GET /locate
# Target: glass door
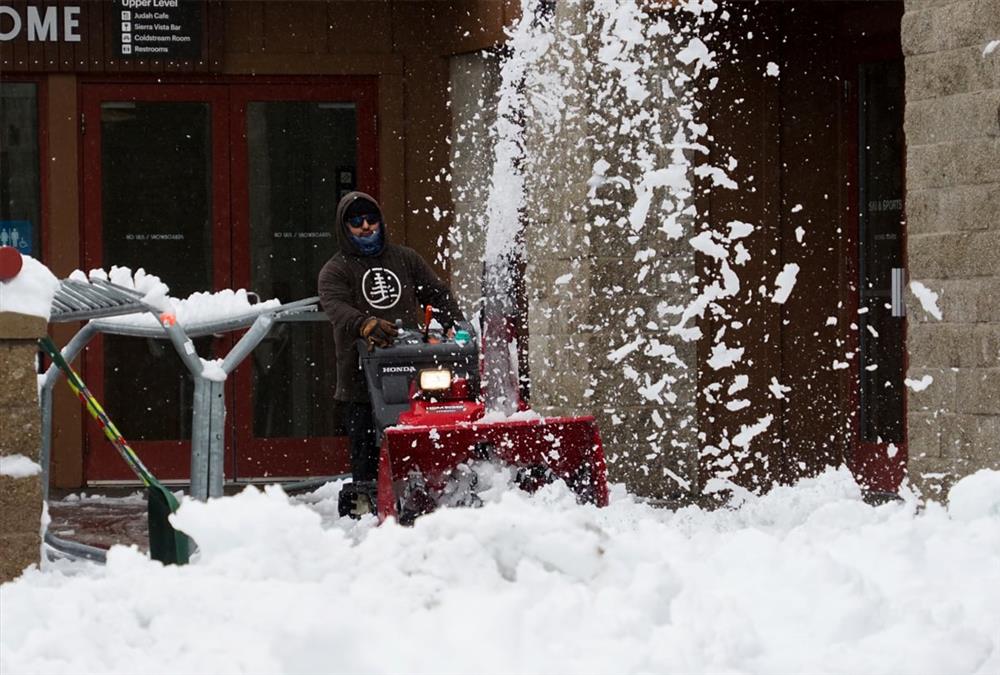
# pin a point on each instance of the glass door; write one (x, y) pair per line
(156, 198)
(212, 187)
(296, 150)
(880, 455)
(20, 179)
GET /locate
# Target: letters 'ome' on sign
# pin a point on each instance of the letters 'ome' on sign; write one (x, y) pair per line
(39, 23)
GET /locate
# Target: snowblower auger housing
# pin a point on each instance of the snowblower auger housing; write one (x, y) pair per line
(429, 417)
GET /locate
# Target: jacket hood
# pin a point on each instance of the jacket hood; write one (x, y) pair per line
(347, 246)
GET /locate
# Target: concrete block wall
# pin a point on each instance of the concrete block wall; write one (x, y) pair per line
(474, 80)
(20, 434)
(588, 294)
(953, 236)
(581, 277)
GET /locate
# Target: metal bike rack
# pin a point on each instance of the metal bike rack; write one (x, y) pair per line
(98, 300)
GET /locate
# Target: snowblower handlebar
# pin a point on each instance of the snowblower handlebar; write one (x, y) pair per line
(464, 332)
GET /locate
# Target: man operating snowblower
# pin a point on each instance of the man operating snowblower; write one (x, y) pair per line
(368, 289)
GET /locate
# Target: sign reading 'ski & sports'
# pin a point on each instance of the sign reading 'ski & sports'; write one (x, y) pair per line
(40, 24)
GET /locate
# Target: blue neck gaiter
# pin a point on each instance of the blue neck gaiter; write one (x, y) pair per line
(369, 245)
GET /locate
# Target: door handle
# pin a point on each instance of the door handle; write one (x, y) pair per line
(898, 284)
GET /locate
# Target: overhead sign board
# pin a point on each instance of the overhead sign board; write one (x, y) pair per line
(159, 29)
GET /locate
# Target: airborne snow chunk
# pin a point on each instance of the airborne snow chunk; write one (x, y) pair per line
(919, 385)
(784, 283)
(928, 299)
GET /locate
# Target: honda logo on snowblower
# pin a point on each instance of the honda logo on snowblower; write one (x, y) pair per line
(398, 369)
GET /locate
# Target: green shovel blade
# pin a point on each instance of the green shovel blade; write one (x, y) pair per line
(166, 544)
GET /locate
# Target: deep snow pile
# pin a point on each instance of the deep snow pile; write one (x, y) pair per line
(804, 579)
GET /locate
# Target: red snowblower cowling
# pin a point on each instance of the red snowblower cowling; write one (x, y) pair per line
(431, 424)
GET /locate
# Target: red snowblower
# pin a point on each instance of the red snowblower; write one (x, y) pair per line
(433, 431)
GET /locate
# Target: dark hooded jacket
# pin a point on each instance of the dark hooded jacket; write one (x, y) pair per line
(395, 283)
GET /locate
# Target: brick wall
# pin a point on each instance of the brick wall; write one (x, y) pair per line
(953, 236)
(20, 434)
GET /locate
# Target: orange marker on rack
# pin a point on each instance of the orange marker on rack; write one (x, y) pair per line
(168, 318)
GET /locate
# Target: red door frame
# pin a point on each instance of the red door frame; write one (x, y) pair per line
(870, 463)
(170, 460)
(262, 457)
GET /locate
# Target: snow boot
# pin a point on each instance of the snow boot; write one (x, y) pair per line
(356, 499)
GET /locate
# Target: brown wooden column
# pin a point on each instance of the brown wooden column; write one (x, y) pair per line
(61, 240)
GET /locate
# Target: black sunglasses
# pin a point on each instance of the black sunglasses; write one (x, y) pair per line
(358, 221)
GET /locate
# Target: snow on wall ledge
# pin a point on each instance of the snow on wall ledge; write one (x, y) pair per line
(31, 291)
(18, 466)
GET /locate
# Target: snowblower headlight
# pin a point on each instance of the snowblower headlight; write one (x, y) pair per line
(437, 379)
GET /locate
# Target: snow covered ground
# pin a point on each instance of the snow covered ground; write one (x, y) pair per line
(805, 579)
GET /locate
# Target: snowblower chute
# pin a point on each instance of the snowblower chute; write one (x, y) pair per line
(432, 430)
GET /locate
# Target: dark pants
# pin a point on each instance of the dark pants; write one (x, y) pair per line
(361, 432)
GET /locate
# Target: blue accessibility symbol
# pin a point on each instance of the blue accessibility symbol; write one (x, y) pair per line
(16, 233)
